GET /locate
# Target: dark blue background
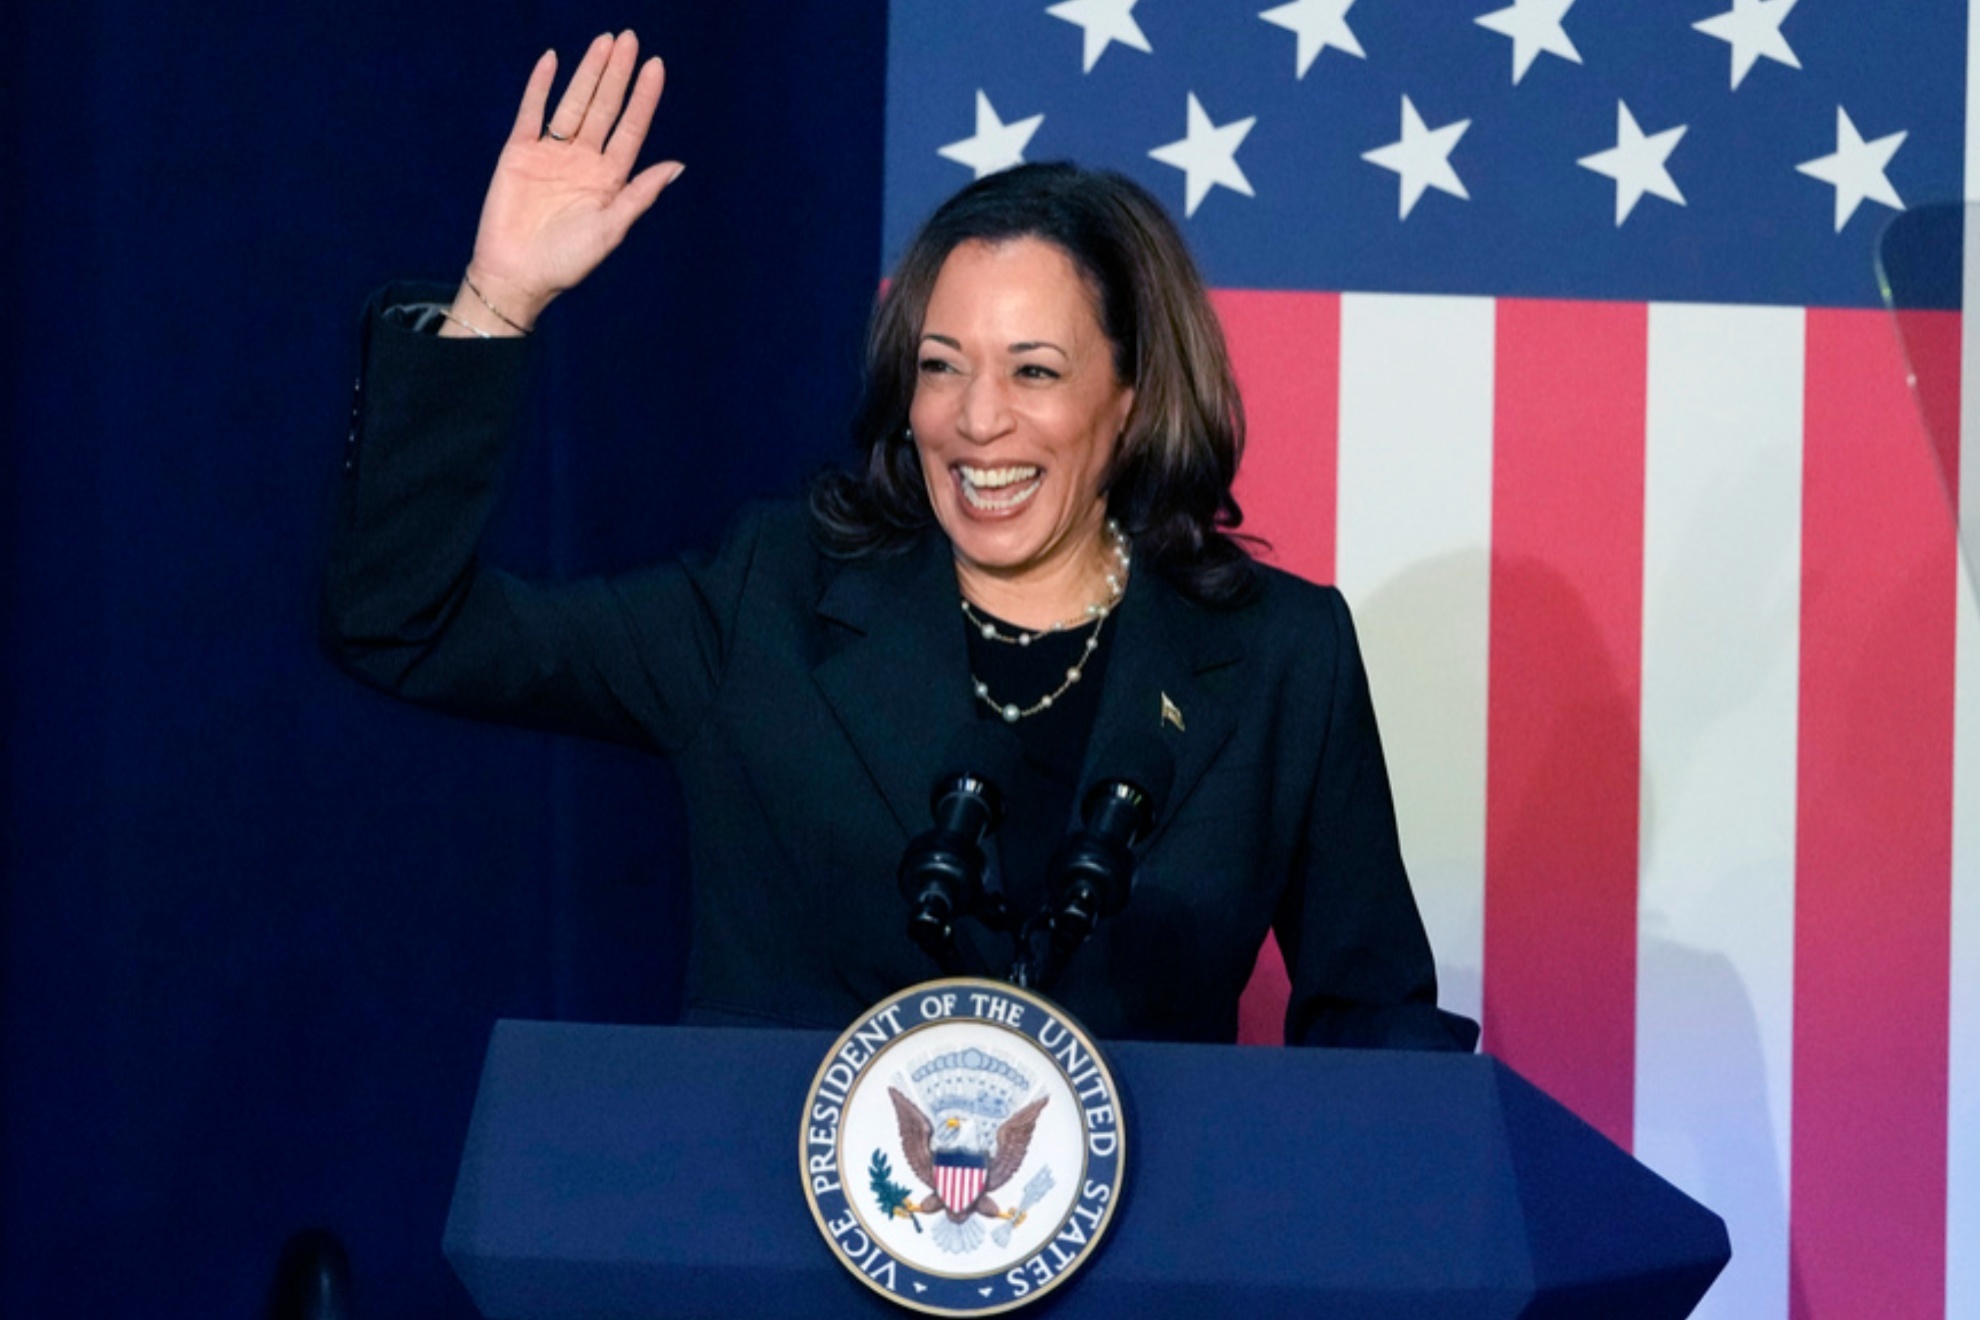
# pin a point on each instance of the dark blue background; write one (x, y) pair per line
(257, 922)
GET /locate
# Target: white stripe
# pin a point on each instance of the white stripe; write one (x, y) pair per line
(1413, 556)
(1963, 1016)
(1721, 611)
(1963, 1073)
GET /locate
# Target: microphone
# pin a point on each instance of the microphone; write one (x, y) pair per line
(941, 873)
(1093, 871)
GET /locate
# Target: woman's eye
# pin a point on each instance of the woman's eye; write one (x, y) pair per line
(931, 366)
(1032, 371)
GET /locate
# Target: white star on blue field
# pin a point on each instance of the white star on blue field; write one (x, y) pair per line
(1735, 151)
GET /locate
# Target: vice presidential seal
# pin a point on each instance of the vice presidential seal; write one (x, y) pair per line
(961, 1147)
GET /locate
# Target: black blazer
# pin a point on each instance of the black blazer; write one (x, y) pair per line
(806, 702)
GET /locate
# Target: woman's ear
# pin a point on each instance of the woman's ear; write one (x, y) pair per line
(1126, 415)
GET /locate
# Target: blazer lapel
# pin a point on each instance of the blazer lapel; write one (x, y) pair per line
(1163, 648)
(896, 675)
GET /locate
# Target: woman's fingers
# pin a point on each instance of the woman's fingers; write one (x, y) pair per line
(576, 100)
(638, 196)
(529, 115)
(611, 91)
(640, 192)
(564, 195)
(630, 135)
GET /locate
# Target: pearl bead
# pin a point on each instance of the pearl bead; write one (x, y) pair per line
(1094, 616)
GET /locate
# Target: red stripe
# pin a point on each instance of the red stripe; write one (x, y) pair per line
(959, 1185)
(1565, 674)
(1262, 1007)
(1286, 351)
(1931, 348)
(1873, 838)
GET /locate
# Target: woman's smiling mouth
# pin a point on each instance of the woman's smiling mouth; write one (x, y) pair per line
(997, 489)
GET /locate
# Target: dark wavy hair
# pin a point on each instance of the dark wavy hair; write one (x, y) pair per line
(1169, 481)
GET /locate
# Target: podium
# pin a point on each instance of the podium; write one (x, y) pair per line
(653, 1172)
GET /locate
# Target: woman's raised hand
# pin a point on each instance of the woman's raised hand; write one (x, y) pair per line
(564, 193)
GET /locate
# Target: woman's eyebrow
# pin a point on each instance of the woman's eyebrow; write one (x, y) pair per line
(1023, 346)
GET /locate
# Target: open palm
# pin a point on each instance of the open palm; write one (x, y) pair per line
(564, 193)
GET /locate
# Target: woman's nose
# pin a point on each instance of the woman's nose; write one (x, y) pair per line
(985, 413)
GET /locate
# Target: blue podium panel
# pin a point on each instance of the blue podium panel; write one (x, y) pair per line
(652, 1172)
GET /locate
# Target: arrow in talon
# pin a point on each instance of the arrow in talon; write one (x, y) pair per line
(1035, 1191)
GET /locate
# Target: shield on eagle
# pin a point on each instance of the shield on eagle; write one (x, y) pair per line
(959, 1176)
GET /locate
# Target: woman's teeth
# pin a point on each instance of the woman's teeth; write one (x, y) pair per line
(998, 488)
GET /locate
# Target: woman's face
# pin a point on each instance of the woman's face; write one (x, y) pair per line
(1016, 409)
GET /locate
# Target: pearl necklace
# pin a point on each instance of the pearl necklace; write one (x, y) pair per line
(1094, 616)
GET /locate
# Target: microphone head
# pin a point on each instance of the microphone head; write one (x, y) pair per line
(981, 749)
(1142, 761)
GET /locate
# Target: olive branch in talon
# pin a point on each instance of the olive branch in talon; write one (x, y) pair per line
(892, 1196)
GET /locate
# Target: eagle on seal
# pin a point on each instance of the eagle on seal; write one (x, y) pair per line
(963, 1159)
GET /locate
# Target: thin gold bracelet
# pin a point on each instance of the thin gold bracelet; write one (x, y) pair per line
(469, 281)
(468, 326)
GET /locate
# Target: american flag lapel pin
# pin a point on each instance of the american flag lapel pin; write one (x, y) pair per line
(1171, 713)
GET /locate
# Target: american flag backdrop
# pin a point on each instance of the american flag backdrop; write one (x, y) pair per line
(1561, 341)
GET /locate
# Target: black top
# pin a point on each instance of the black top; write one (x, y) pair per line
(1040, 807)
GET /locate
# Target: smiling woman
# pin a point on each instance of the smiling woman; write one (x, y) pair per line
(1047, 443)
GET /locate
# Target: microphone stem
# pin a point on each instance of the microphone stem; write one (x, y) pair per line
(937, 939)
